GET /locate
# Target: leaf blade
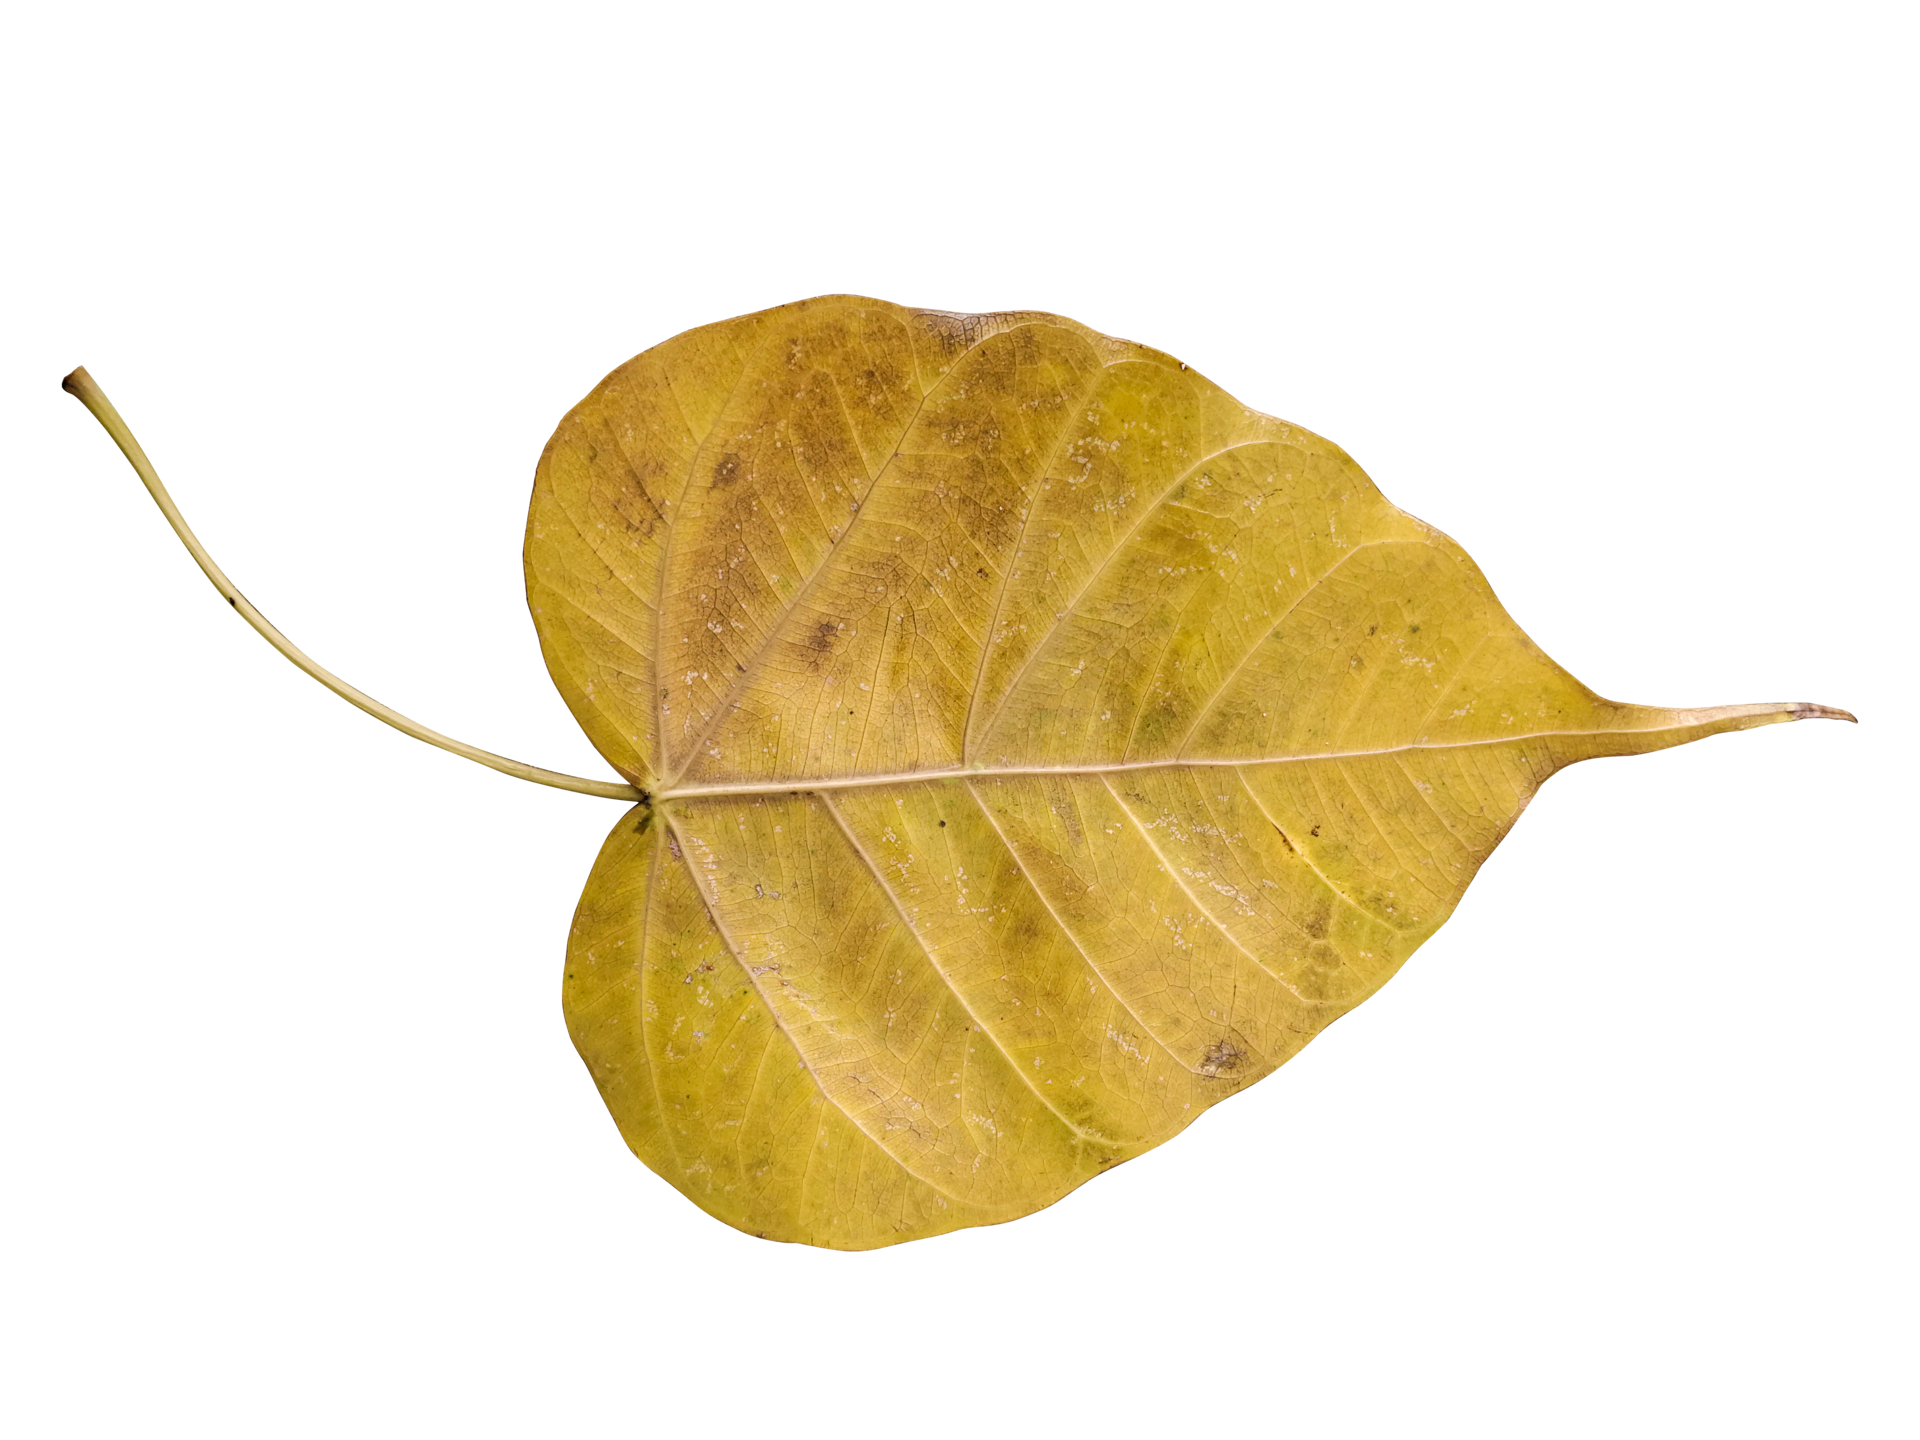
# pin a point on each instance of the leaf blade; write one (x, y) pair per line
(1045, 747)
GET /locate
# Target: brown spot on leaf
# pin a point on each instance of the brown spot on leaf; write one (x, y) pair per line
(726, 472)
(1221, 1056)
(1316, 923)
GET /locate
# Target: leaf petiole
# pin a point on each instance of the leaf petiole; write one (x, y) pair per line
(82, 387)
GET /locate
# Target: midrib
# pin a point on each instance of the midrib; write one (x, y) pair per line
(1012, 772)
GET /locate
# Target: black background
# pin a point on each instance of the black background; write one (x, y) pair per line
(302, 1003)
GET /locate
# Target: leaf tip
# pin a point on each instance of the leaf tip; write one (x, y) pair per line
(1805, 710)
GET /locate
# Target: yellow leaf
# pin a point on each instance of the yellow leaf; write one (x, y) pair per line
(1039, 747)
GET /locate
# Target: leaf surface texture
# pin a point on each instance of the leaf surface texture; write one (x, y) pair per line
(1041, 747)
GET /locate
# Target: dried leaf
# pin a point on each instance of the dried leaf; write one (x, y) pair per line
(1040, 747)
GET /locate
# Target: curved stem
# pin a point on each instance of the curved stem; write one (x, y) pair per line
(81, 385)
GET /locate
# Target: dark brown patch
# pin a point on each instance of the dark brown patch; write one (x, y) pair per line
(726, 472)
(1220, 1057)
(1315, 924)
